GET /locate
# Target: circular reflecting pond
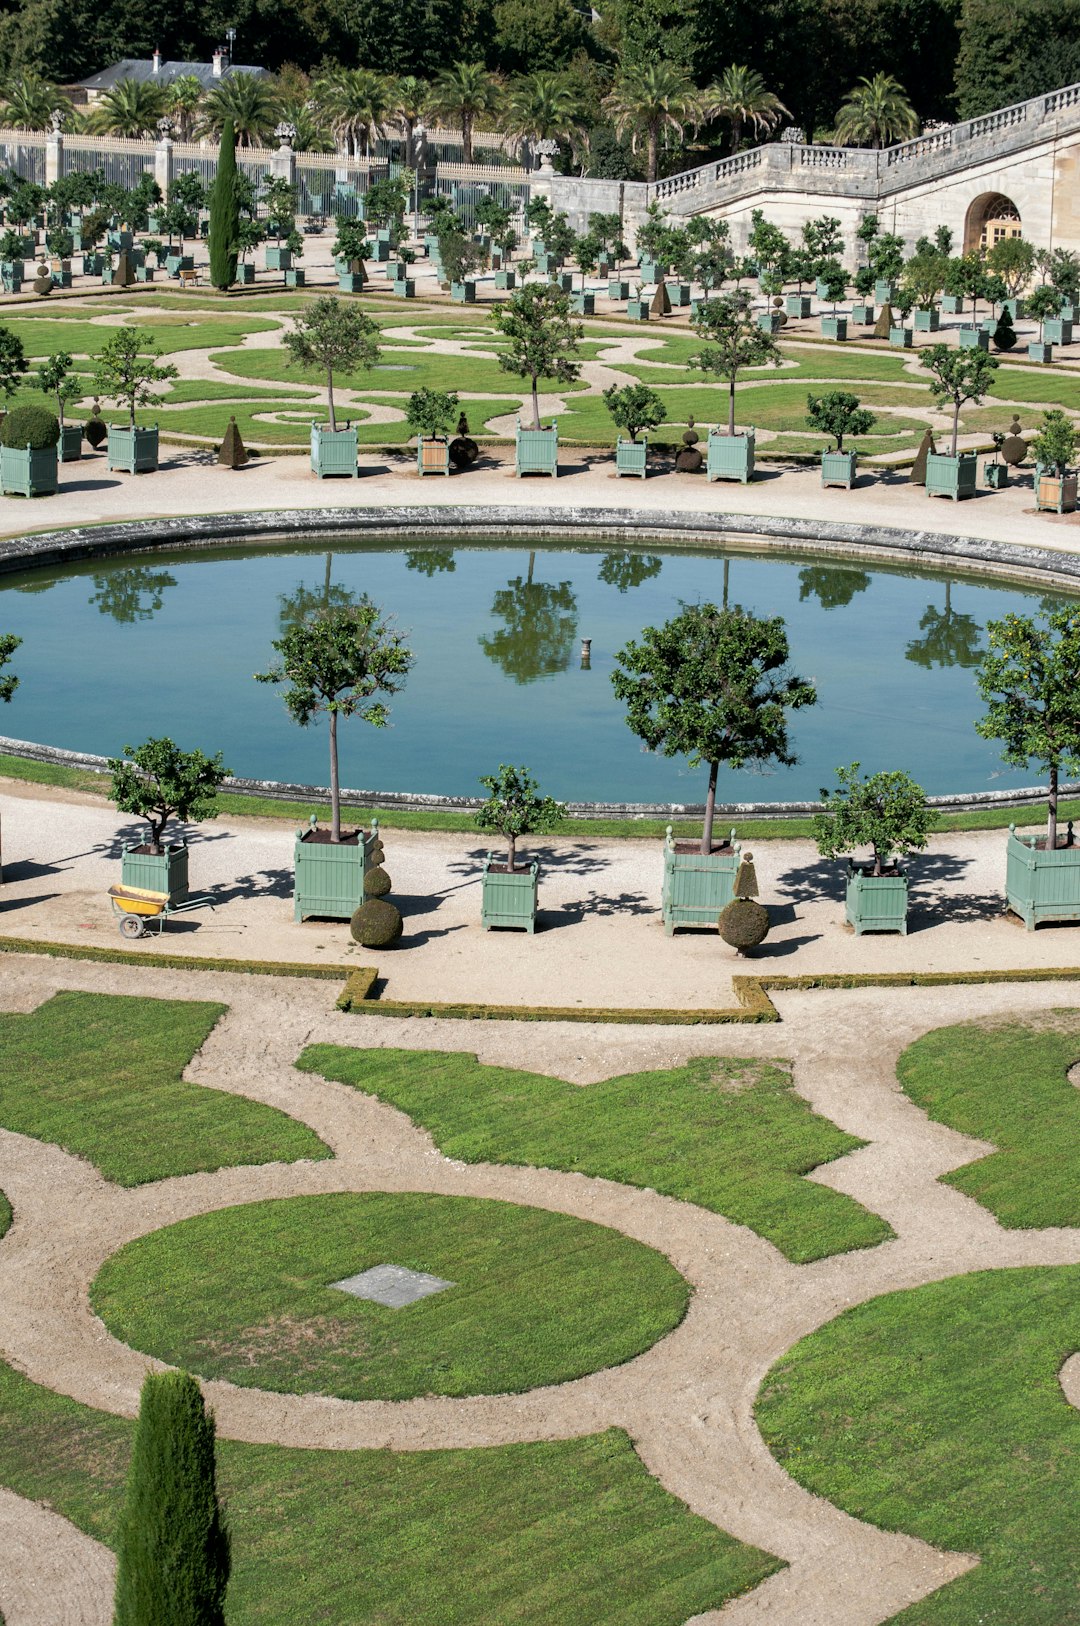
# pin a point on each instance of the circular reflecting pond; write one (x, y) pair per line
(117, 651)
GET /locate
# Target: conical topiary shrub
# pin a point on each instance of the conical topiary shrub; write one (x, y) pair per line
(232, 452)
(173, 1545)
(744, 923)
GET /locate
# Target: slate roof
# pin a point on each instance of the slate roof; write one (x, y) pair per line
(142, 68)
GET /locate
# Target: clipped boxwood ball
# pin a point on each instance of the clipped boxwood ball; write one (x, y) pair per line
(378, 853)
(376, 882)
(376, 924)
(32, 426)
(744, 924)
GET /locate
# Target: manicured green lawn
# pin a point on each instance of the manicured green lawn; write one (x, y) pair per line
(731, 1135)
(1037, 384)
(171, 333)
(5, 1215)
(938, 1411)
(100, 1075)
(1006, 1083)
(551, 1534)
(400, 372)
(780, 406)
(244, 1294)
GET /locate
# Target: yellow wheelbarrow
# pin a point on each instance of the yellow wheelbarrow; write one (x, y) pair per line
(138, 909)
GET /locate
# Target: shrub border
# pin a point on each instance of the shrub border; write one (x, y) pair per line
(168, 962)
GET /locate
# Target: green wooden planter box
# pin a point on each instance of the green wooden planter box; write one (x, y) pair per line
(329, 879)
(637, 310)
(11, 277)
(1056, 330)
(797, 305)
(509, 898)
(1041, 886)
(951, 476)
(649, 271)
(834, 327)
(120, 240)
(536, 451)
(863, 315)
(630, 456)
(679, 294)
(62, 279)
(900, 338)
(505, 280)
(351, 282)
(278, 259)
(334, 451)
(133, 450)
(175, 263)
(144, 273)
(28, 472)
(245, 274)
(769, 321)
(996, 475)
(396, 271)
(166, 871)
(69, 446)
(583, 304)
(547, 264)
(838, 469)
(617, 289)
(927, 321)
(951, 304)
(973, 338)
(1069, 312)
(1040, 352)
(463, 292)
(884, 292)
(93, 265)
(564, 281)
(432, 454)
(876, 903)
(697, 885)
(406, 289)
(1055, 493)
(295, 278)
(821, 288)
(729, 457)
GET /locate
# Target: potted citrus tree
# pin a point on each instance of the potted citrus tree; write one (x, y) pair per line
(542, 343)
(732, 342)
(957, 376)
(337, 662)
(838, 414)
(55, 378)
(1042, 304)
(888, 813)
(712, 685)
(831, 287)
(635, 408)
(158, 781)
(514, 808)
(429, 414)
(29, 436)
(350, 249)
(330, 336)
(1030, 681)
(1054, 448)
(127, 370)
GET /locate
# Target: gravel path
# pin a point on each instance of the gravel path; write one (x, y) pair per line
(51, 1574)
(687, 1402)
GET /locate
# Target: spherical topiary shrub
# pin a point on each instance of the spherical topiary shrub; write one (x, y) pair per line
(744, 924)
(378, 853)
(97, 430)
(33, 426)
(376, 924)
(376, 882)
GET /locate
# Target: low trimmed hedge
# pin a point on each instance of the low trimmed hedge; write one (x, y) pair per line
(166, 962)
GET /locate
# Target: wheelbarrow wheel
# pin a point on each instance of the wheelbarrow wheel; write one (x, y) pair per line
(131, 926)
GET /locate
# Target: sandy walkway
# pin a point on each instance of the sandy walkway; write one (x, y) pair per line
(688, 1402)
(51, 1575)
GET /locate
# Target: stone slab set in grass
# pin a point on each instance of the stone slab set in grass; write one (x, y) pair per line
(102, 1076)
(939, 1412)
(546, 1534)
(728, 1134)
(253, 1295)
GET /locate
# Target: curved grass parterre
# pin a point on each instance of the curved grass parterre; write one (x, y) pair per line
(938, 1411)
(728, 1134)
(101, 1076)
(246, 1294)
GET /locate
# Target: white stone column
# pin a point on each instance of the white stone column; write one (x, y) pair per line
(54, 151)
(163, 158)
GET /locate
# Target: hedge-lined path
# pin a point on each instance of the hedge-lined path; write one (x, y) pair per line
(688, 1402)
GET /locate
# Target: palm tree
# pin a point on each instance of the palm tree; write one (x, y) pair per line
(249, 101)
(646, 101)
(542, 107)
(356, 104)
(740, 97)
(183, 97)
(876, 113)
(30, 105)
(130, 108)
(461, 95)
(306, 118)
(408, 104)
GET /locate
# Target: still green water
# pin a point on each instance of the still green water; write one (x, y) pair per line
(115, 652)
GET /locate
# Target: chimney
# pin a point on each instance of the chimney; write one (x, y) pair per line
(156, 60)
(221, 62)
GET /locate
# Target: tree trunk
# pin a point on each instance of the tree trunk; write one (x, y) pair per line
(535, 403)
(877, 862)
(466, 138)
(330, 397)
(335, 788)
(1052, 804)
(651, 163)
(731, 407)
(410, 145)
(511, 851)
(710, 809)
(955, 427)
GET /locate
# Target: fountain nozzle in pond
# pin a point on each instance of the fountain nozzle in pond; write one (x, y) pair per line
(586, 654)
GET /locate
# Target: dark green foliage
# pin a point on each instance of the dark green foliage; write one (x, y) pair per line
(543, 338)
(514, 808)
(838, 414)
(13, 362)
(376, 882)
(376, 924)
(634, 407)
(744, 923)
(173, 1543)
(157, 780)
(225, 213)
(1009, 52)
(1004, 334)
(33, 426)
(9, 643)
(886, 812)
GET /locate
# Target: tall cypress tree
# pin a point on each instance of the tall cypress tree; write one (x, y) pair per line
(174, 1546)
(225, 213)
